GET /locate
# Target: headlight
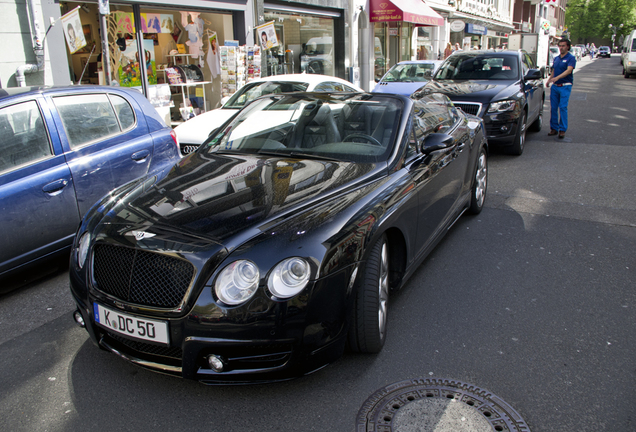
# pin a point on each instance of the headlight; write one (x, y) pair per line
(82, 249)
(237, 282)
(503, 106)
(289, 277)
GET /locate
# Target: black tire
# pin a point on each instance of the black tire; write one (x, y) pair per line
(625, 74)
(480, 184)
(538, 122)
(520, 137)
(367, 331)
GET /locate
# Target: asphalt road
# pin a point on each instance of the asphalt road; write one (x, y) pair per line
(533, 300)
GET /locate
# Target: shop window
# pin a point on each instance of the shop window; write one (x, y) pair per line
(379, 51)
(23, 137)
(305, 44)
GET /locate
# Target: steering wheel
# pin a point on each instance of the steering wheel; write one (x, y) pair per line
(364, 137)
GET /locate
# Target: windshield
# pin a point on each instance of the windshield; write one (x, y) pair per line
(346, 127)
(254, 90)
(491, 66)
(410, 72)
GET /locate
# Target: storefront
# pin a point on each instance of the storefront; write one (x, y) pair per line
(168, 35)
(305, 40)
(472, 32)
(402, 31)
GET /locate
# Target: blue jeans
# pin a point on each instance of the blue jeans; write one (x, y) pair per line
(559, 98)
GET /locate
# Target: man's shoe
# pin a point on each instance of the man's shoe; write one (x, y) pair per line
(552, 132)
(561, 134)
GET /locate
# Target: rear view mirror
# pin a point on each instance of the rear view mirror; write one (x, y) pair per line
(437, 141)
(533, 74)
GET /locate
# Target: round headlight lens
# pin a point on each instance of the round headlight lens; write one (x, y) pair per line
(82, 249)
(289, 277)
(237, 282)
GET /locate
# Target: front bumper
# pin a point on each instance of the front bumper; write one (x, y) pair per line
(262, 342)
(501, 128)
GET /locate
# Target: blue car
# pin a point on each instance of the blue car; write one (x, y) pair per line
(406, 77)
(61, 150)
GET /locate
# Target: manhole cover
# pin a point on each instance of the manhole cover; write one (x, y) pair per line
(437, 405)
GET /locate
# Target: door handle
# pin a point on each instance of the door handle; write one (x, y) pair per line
(56, 187)
(140, 156)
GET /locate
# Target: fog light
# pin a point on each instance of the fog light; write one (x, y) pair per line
(216, 363)
(79, 319)
(504, 128)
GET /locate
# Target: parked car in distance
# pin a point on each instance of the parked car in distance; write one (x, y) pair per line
(61, 150)
(505, 88)
(193, 132)
(628, 55)
(406, 77)
(577, 53)
(583, 49)
(281, 238)
(604, 51)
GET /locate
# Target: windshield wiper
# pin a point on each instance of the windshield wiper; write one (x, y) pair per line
(299, 154)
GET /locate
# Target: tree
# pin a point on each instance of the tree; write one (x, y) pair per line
(590, 19)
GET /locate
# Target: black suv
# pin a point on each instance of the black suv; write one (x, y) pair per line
(505, 88)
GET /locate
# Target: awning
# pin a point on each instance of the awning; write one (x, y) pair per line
(413, 11)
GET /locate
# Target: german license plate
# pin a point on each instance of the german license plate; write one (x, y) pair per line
(130, 325)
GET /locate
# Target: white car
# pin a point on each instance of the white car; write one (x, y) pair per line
(195, 131)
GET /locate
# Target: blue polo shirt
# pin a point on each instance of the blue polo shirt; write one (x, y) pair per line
(561, 64)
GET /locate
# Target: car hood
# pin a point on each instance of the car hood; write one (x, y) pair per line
(403, 88)
(473, 91)
(197, 129)
(216, 196)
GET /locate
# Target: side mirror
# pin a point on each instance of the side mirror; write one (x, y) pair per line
(437, 141)
(533, 74)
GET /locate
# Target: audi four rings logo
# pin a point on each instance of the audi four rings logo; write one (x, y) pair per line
(140, 235)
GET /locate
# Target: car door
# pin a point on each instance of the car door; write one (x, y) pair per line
(531, 89)
(106, 142)
(38, 208)
(442, 171)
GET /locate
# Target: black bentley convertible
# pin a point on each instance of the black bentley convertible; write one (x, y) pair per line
(275, 245)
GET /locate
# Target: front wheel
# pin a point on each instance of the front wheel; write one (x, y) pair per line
(520, 137)
(367, 331)
(480, 184)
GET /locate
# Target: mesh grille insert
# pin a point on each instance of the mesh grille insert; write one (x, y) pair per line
(141, 277)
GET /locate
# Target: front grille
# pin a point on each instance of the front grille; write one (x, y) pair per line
(469, 108)
(146, 348)
(188, 148)
(141, 277)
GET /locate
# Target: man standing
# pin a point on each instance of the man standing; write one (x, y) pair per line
(563, 79)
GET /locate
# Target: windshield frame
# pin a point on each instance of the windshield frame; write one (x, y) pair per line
(263, 128)
(232, 104)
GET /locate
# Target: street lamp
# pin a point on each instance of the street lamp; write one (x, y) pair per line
(614, 29)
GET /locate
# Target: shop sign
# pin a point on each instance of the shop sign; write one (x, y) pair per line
(476, 29)
(73, 30)
(393, 31)
(457, 26)
(267, 35)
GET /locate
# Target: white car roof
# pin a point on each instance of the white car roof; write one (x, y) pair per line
(312, 79)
